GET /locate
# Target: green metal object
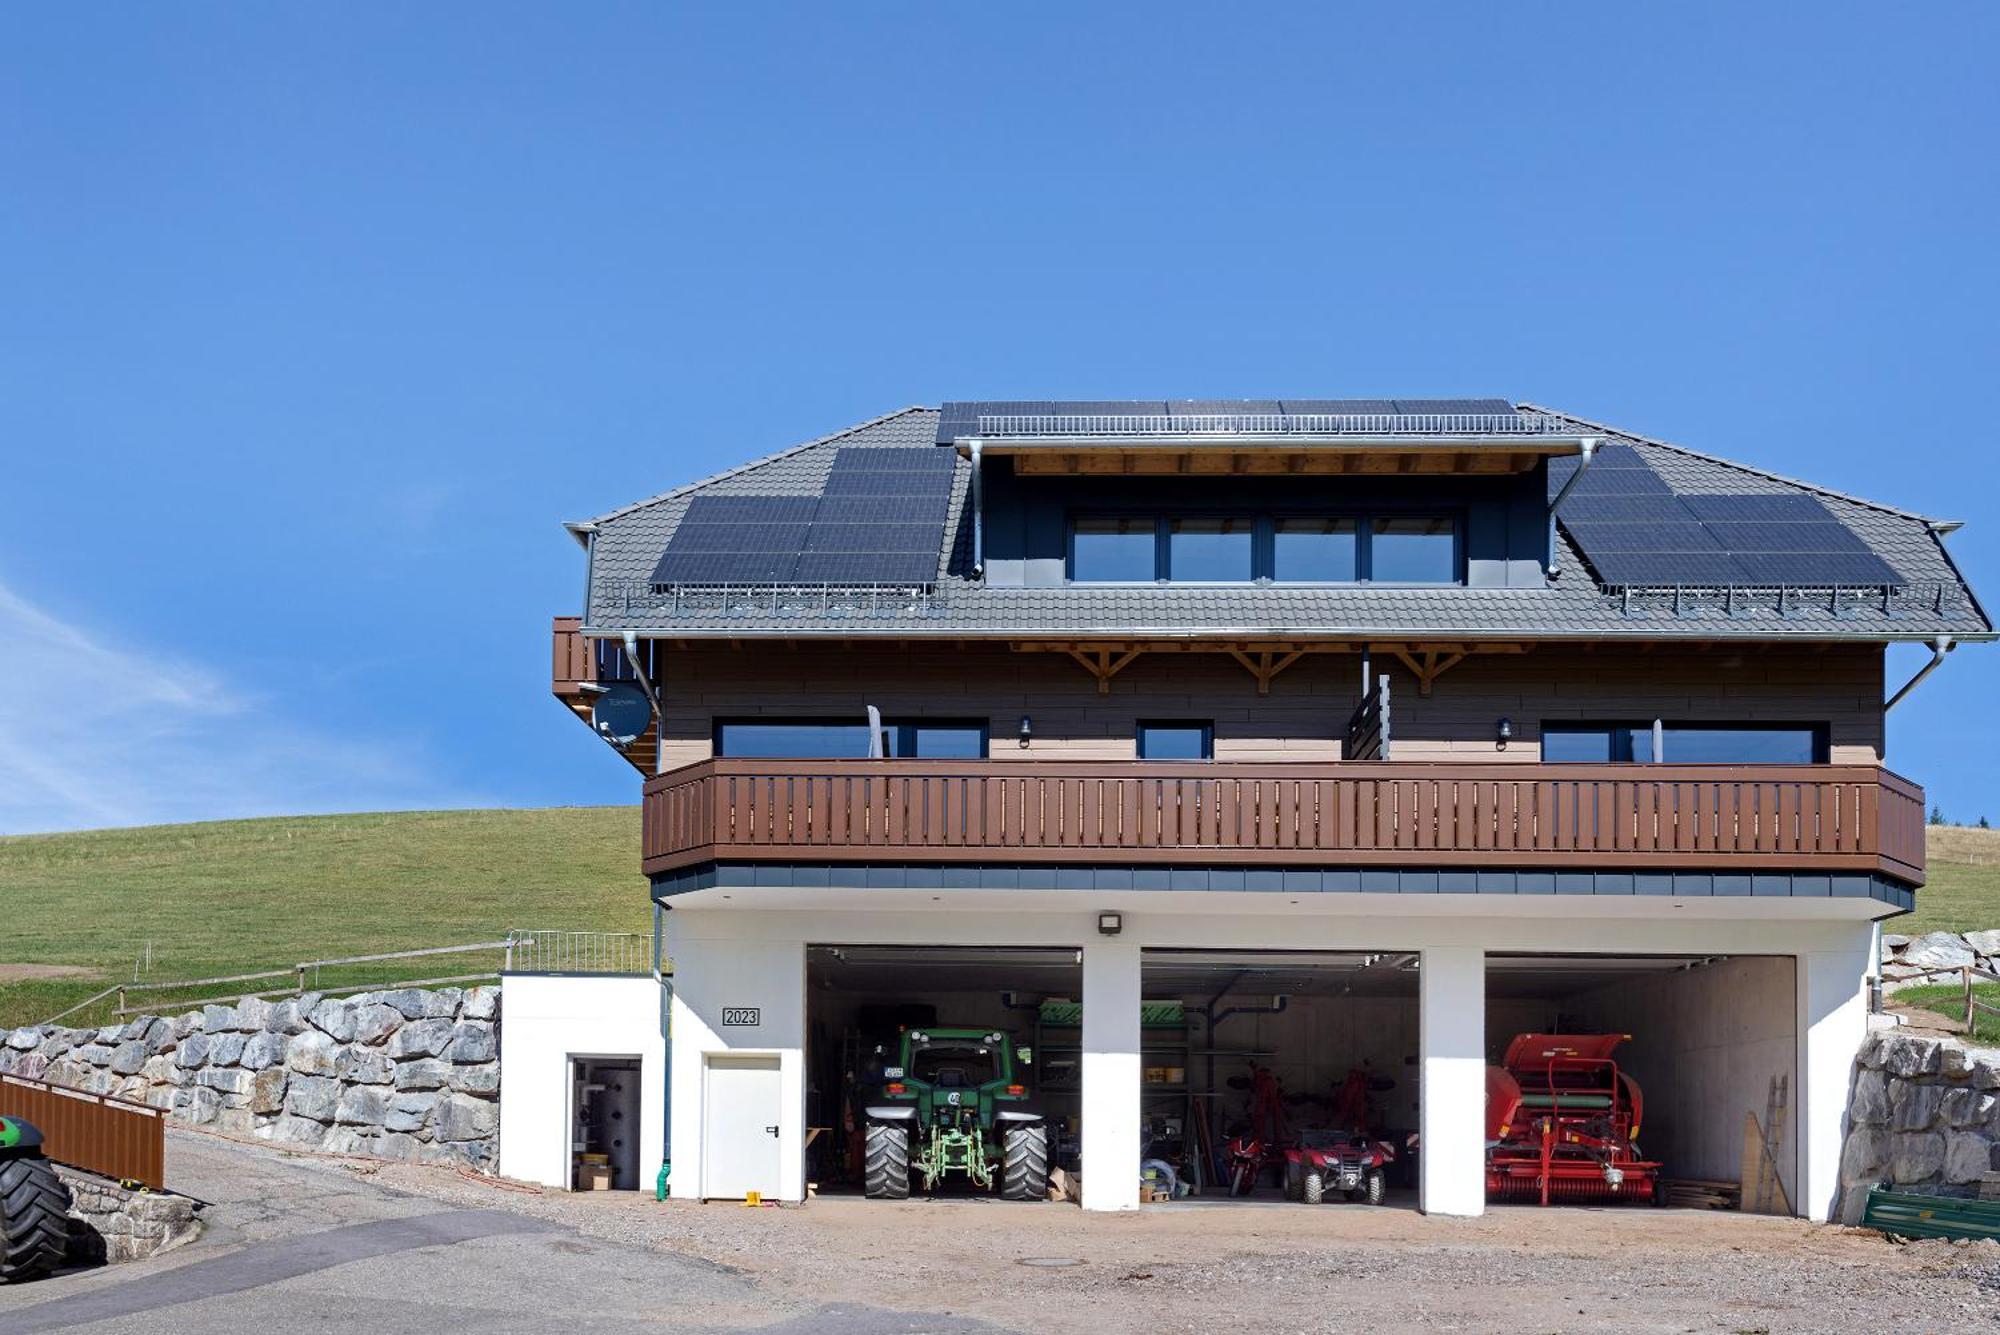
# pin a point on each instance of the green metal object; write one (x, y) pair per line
(660, 1186)
(10, 1133)
(1910, 1215)
(956, 1111)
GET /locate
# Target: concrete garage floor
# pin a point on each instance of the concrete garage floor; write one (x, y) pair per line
(308, 1244)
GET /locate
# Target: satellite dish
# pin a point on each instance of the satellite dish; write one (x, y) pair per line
(621, 714)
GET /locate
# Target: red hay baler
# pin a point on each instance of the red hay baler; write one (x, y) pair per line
(1562, 1123)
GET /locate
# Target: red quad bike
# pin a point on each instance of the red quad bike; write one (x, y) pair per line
(1346, 1159)
(1262, 1146)
(1562, 1123)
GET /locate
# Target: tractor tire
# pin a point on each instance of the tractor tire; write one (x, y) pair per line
(34, 1219)
(1374, 1187)
(1024, 1174)
(1313, 1190)
(886, 1171)
(1295, 1182)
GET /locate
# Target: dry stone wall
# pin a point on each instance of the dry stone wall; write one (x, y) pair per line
(1904, 958)
(1923, 1115)
(402, 1074)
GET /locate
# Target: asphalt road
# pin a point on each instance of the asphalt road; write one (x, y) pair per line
(301, 1246)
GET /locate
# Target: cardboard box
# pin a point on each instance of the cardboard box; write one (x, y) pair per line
(1065, 1186)
(593, 1177)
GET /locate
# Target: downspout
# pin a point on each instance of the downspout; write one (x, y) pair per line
(1941, 646)
(1587, 451)
(663, 1186)
(978, 514)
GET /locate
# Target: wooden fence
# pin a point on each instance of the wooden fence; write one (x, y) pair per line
(114, 1138)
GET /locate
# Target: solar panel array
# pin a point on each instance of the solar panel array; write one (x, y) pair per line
(879, 520)
(1636, 531)
(962, 419)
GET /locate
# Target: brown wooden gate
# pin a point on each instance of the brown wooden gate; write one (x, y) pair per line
(113, 1138)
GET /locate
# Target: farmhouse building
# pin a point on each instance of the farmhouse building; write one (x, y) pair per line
(1184, 747)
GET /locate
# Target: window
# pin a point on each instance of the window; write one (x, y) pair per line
(1239, 549)
(1687, 743)
(1413, 549)
(1114, 550)
(1326, 550)
(1176, 739)
(1210, 551)
(847, 739)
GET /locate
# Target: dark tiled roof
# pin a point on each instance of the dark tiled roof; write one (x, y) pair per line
(627, 544)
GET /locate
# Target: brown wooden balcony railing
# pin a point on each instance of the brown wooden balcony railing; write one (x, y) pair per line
(1668, 817)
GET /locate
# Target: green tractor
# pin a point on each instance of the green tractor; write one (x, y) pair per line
(34, 1206)
(950, 1104)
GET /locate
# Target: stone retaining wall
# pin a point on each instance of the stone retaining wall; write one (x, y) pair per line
(115, 1223)
(1905, 957)
(1924, 1115)
(403, 1074)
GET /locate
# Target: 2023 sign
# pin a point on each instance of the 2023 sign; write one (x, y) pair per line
(742, 1016)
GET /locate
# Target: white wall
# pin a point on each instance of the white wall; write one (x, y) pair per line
(544, 1021)
(751, 952)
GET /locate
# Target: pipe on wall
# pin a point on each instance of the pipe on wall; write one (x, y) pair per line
(1941, 646)
(1586, 450)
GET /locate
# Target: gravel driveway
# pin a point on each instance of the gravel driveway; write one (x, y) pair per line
(531, 1260)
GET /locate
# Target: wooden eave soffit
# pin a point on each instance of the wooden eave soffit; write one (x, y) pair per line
(1264, 660)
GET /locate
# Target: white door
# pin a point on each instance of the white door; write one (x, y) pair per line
(741, 1127)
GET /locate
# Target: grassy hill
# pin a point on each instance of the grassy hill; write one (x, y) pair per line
(236, 896)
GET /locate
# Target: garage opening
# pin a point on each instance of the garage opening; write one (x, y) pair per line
(944, 1071)
(1279, 1076)
(604, 1123)
(1665, 1079)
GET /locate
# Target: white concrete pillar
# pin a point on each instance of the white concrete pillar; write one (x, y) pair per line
(1833, 1020)
(1111, 998)
(1452, 1115)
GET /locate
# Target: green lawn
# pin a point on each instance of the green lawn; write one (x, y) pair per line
(237, 896)
(1963, 893)
(1948, 1000)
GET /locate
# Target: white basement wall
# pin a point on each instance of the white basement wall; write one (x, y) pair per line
(545, 1020)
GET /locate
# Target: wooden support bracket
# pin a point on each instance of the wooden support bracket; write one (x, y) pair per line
(1105, 664)
(1266, 665)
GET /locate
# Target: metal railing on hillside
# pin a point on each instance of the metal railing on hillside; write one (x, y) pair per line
(578, 952)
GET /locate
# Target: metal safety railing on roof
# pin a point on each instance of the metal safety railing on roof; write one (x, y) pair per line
(770, 600)
(1838, 600)
(1123, 426)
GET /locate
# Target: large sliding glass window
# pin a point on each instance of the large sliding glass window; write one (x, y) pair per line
(847, 739)
(1286, 549)
(1202, 550)
(1413, 549)
(1687, 743)
(1325, 550)
(1114, 550)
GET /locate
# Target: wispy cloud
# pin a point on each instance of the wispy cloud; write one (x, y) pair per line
(95, 731)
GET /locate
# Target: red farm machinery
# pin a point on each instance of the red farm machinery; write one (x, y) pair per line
(1562, 1124)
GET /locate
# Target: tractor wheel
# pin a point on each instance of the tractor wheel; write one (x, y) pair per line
(886, 1173)
(1295, 1181)
(34, 1219)
(1313, 1189)
(1025, 1166)
(1375, 1186)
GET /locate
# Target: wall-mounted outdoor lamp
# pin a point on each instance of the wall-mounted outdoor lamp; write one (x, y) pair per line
(1110, 924)
(1027, 729)
(1504, 733)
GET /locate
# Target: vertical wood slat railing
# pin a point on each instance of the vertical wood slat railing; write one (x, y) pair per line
(569, 656)
(113, 1138)
(1806, 817)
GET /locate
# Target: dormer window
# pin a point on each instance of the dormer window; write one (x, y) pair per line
(1400, 548)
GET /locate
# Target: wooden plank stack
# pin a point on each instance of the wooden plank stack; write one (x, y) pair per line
(1692, 1193)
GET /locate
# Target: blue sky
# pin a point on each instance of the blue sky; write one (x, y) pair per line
(318, 321)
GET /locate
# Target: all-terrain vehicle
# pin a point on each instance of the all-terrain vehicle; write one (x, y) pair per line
(1348, 1162)
(950, 1103)
(34, 1205)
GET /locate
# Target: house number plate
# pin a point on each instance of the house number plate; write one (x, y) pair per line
(737, 1016)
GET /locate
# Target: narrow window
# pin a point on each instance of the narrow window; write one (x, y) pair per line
(1314, 551)
(796, 739)
(1176, 739)
(937, 739)
(1595, 743)
(1110, 549)
(1745, 744)
(1413, 549)
(1204, 550)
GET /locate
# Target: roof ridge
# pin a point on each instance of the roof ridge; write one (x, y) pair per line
(583, 525)
(1740, 467)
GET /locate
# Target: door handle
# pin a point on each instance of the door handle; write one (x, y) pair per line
(772, 1129)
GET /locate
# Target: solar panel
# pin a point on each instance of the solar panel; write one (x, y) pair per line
(1823, 537)
(857, 483)
(875, 538)
(867, 568)
(1791, 508)
(881, 509)
(1456, 406)
(737, 538)
(725, 568)
(1660, 535)
(1654, 568)
(893, 459)
(1618, 509)
(1816, 568)
(749, 509)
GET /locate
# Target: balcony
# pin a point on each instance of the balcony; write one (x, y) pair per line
(1796, 818)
